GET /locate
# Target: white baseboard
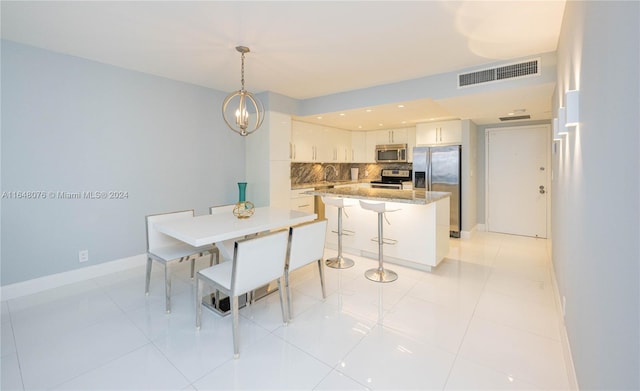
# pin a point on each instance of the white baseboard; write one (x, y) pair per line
(40, 284)
(469, 234)
(564, 338)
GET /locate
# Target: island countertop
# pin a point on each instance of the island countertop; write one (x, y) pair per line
(403, 196)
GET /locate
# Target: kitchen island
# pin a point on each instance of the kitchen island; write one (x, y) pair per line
(419, 228)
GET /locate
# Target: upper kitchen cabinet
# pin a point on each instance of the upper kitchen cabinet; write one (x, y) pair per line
(359, 147)
(315, 143)
(343, 146)
(303, 148)
(439, 133)
(391, 136)
(280, 128)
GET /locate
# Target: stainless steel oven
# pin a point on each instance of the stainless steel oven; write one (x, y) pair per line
(391, 153)
(393, 179)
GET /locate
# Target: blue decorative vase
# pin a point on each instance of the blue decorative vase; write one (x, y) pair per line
(243, 209)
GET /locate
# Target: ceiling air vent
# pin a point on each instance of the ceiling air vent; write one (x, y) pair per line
(511, 71)
(515, 117)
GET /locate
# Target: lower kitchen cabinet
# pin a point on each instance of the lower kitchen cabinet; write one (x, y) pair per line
(302, 202)
(420, 233)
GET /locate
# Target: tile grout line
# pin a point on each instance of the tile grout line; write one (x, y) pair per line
(473, 314)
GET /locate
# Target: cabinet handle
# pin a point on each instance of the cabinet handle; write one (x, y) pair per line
(290, 151)
(294, 151)
(303, 206)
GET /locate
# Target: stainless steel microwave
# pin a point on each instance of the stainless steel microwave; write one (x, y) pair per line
(391, 153)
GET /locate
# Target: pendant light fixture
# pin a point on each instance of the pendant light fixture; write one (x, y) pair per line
(242, 111)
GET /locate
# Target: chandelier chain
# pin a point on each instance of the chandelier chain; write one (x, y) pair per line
(242, 73)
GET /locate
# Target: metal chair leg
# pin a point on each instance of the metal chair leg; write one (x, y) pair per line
(236, 341)
(285, 319)
(148, 277)
(321, 268)
(167, 288)
(199, 289)
(286, 285)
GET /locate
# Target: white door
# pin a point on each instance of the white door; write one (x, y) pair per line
(517, 184)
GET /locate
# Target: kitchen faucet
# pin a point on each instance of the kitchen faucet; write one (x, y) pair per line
(335, 170)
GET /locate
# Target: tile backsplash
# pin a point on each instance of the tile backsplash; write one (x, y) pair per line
(318, 172)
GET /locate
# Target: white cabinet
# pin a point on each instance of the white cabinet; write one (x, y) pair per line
(439, 133)
(370, 147)
(303, 148)
(411, 142)
(359, 147)
(280, 129)
(268, 168)
(391, 136)
(315, 143)
(340, 145)
(421, 233)
(345, 150)
(302, 202)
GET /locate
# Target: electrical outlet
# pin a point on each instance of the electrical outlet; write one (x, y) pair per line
(83, 255)
(564, 306)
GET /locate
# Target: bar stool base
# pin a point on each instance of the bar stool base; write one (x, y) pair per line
(384, 275)
(339, 262)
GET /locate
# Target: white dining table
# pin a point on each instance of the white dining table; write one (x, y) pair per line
(210, 229)
(223, 228)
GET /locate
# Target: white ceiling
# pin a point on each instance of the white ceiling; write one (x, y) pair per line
(306, 49)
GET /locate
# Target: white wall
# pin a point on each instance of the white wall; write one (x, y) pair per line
(469, 175)
(596, 211)
(73, 125)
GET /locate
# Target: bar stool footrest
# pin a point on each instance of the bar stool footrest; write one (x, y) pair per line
(385, 240)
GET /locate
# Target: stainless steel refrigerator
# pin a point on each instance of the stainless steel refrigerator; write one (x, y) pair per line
(438, 169)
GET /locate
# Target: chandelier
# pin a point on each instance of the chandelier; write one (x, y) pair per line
(242, 111)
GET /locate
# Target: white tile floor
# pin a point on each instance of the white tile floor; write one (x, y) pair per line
(486, 318)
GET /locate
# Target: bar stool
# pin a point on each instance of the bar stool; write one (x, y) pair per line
(338, 262)
(380, 274)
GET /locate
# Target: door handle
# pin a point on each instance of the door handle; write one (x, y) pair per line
(542, 190)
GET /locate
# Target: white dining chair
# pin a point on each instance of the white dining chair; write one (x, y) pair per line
(165, 249)
(257, 261)
(306, 245)
(224, 249)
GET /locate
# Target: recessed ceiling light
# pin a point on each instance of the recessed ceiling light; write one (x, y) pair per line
(318, 117)
(359, 126)
(404, 122)
(342, 114)
(369, 110)
(400, 106)
(379, 124)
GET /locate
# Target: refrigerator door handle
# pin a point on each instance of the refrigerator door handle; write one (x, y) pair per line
(428, 173)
